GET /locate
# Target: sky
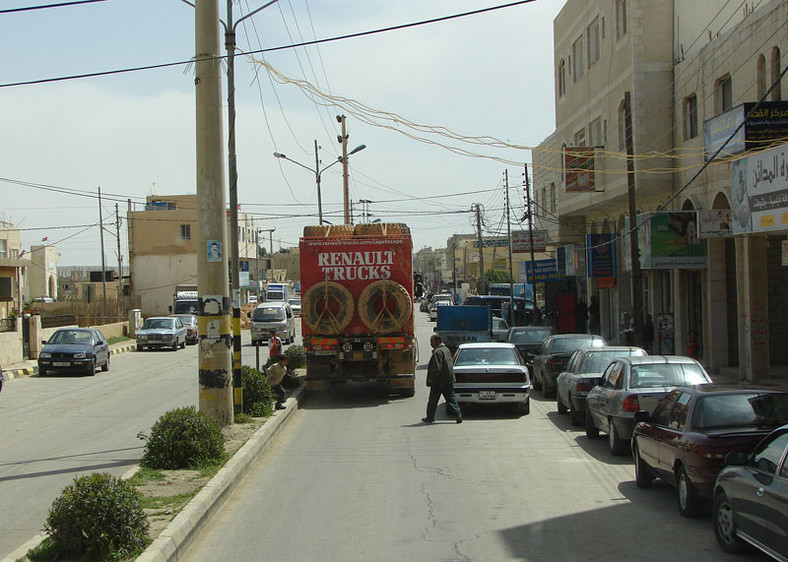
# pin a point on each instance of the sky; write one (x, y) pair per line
(407, 94)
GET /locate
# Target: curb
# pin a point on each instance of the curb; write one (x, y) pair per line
(182, 530)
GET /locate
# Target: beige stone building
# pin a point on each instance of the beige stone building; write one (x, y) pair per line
(43, 279)
(676, 69)
(14, 268)
(163, 251)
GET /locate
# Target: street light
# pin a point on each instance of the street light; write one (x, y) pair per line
(318, 172)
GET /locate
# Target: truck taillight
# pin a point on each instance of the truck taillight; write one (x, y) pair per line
(321, 344)
(631, 403)
(392, 343)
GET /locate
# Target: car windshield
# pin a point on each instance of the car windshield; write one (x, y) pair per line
(486, 356)
(597, 361)
(529, 336)
(158, 324)
(188, 320)
(268, 314)
(70, 337)
(565, 345)
(656, 375)
(295, 302)
(741, 410)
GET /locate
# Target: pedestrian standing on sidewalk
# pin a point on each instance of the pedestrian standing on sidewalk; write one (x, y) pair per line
(440, 379)
(274, 348)
(274, 375)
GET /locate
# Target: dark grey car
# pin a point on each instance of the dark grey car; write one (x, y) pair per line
(630, 384)
(553, 356)
(750, 498)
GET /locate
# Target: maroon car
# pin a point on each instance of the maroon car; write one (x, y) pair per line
(685, 440)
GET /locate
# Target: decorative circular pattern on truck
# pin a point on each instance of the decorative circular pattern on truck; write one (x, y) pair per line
(385, 306)
(327, 308)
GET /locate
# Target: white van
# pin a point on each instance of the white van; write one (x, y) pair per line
(269, 316)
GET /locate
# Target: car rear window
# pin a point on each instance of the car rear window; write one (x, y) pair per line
(529, 336)
(268, 314)
(741, 410)
(658, 375)
(597, 361)
(486, 356)
(565, 345)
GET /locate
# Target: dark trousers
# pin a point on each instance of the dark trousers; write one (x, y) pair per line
(281, 395)
(448, 394)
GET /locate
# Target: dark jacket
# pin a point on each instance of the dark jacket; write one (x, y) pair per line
(440, 371)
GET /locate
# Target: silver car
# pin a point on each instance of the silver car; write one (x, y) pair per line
(492, 373)
(630, 384)
(162, 331)
(584, 372)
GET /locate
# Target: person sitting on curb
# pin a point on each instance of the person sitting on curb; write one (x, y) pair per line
(274, 375)
(274, 348)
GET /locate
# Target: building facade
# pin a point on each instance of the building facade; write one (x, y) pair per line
(43, 278)
(637, 83)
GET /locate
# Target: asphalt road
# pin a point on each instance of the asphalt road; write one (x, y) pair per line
(357, 476)
(57, 427)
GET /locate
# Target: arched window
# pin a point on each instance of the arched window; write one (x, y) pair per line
(775, 74)
(561, 78)
(761, 76)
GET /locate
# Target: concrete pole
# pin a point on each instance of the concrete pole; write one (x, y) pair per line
(637, 292)
(215, 347)
(345, 186)
(103, 264)
(317, 181)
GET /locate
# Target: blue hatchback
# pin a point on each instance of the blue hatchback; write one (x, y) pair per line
(74, 349)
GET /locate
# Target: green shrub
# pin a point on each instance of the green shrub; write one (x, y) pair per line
(258, 398)
(183, 438)
(296, 356)
(97, 516)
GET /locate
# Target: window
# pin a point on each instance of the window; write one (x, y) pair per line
(580, 137)
(662, 410)
(775, 74)
(3, 248)
(562, 163)
(768, 454)
(602, 27)
(578, 63)
(690, 117)
(760, 80)
(593, 42)
(621, 18)
(544, 199)
(186, 232)
(552, 198)
(561, 78)
(595, 132)
(723, 94)
(678, 417)
(622, 127)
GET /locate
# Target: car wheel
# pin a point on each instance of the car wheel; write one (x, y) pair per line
(592, 431)
(547, 392)
(92, 368)
(561, 408)
(525, 406)
(175, 345)
(689, 502)
(725, 526)
(618, 446)
(574, 415)
(643, 476)
(183, 344)
(139, 347)
(42, 372)
(105, 366)
(537, 381)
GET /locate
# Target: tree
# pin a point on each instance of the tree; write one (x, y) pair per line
(496, 276)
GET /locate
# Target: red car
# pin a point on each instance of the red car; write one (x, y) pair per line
(692, 428)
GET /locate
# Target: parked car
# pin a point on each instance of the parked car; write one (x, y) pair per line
(269, 316)
(528, 340)
(583, 372)
(190, 323)
(554, 354)
(500, 329)
(74, 349)
(498, 302)
(492, 373)
(434, 308)
(425, 303)
(750, 496)
(685, 440)
(161, 331)
(631, 384)
(295, 306)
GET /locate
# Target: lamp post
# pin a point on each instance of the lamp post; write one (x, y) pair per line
(318, 173)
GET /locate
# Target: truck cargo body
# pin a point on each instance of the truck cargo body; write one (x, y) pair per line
(184, 301)
(464, 324)
(357, 309)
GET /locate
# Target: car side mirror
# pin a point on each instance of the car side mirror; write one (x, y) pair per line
(736, 458)
(642, 416)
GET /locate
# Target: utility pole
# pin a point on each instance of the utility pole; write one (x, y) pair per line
(345, 187)
(478, 208)
(317, 181)
(103, 266)
(270, 232)
(512, 307)
(215, 358)
(634, 254)
(531, 237)
(120, 262)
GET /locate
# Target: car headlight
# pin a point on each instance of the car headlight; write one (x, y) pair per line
(168, 336)
(44, 355)
(79, 356)
(142, 336)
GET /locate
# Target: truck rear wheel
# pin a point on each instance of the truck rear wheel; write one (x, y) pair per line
(385, 306)
(327, 308)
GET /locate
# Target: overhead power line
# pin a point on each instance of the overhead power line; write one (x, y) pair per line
(47, 6)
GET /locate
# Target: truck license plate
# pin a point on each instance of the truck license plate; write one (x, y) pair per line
(486, 395)
(61, 364)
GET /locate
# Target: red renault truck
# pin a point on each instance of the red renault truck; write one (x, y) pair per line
(357, 305)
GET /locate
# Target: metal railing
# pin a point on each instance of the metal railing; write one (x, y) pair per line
(7, 324)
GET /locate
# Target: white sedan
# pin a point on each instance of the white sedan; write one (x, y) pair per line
(434, 308)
